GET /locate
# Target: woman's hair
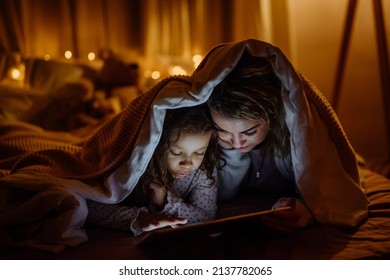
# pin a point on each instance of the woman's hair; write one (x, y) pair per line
(253, 91)
(192, 120)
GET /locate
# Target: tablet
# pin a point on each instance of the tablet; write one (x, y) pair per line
(208, 227)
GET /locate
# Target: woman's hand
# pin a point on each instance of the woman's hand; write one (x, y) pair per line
(158, 194)
(148, 222)
(287, 220)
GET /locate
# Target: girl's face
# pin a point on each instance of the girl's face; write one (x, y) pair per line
(240, 134)
(187, 153)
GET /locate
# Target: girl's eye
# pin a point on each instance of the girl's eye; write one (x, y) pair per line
(175, 153)
(199, 154)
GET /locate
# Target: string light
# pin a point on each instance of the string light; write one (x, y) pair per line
(177, 70)
(68, 54)
(155, 75)
(91, 56)
(15, 74)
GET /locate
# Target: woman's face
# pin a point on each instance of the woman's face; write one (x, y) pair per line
(187, 153)
(240, 134)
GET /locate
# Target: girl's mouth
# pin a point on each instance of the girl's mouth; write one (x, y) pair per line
(181, 174)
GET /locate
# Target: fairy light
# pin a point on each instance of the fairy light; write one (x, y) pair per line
(91, 56)
(155, 75)
(68, 54)
(177, 70)
(15, 74)
(46, 57)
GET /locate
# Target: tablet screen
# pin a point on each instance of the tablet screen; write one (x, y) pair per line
(208, 227)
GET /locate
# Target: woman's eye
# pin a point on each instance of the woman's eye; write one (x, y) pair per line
(200, 154)
(251, 133)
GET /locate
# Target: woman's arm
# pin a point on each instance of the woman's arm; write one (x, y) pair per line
(298, 216)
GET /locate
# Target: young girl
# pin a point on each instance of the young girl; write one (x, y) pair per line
(180, 183)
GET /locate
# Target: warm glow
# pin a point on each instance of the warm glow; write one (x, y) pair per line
(46, 57)
(91, 56)
(147, 74)
(15, 74)
(68, 54)
(197, 60)
(155, 75)
(177, 70)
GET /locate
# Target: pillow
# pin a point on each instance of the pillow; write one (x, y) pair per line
(67, 106)
(50, 75)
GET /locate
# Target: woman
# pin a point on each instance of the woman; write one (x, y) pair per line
(247, 110)
(269, 136)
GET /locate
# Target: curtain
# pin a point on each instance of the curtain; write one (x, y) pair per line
(163, 32)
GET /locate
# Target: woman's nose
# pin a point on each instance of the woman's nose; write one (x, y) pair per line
(237, 141)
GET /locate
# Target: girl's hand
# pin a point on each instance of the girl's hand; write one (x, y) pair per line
(148, 222)
(158, 194)
(284, 221)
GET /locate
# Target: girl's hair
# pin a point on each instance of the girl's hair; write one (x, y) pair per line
(192, 120)
(253, 91)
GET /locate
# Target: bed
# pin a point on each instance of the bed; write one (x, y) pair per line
(65, 95)
(63, 179)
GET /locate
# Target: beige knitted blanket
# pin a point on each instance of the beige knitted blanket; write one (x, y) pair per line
(66, 155)
(63, 170)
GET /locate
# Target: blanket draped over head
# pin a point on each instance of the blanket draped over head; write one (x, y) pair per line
(46, 176)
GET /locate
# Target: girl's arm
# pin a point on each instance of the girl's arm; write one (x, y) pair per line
(114, 216)
(196, 198)
(138, 220)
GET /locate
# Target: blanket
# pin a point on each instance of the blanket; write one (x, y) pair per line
(371, 240)
(106, 164)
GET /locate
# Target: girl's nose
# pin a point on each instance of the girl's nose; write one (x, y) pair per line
(186, 162)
